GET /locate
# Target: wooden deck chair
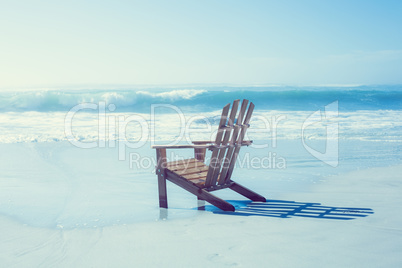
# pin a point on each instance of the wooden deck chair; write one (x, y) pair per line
(200, 179)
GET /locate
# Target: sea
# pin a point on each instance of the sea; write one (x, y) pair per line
(365, 113)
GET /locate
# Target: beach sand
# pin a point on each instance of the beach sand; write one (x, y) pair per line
(64, 206)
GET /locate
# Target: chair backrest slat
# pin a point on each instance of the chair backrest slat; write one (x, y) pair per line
(231, 132)
(230, 151)
(221, 152)
(239, 142)
(218, 140)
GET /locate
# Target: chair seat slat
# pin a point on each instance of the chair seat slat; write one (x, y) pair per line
(185, 165)
(180, 162)
(188, 171)
(198, 175)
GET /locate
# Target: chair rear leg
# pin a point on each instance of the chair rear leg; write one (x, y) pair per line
(200, 203)
(247, 192)
(216, 201)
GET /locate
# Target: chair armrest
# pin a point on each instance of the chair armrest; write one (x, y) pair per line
(202, 142)
(207, 142)
(199, 145)
(181, 146)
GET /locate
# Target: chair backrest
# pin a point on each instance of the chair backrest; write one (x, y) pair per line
(232, 129)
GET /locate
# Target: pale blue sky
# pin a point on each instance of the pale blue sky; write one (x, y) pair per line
(55, 43)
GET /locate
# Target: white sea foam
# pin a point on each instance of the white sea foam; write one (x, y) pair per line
(265, 125)
(175, 95)
(39, 115)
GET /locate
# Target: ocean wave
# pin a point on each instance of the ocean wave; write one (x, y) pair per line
(52, 100)
(287, 98)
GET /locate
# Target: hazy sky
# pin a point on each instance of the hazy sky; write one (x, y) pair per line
(53, 43)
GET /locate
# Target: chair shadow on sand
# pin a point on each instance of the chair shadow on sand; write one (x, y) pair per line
(287, 209)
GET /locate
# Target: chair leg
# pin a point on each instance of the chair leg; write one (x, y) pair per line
(162, 191)
(200, 203)
(163, 213)
(216, 201)
(199, 192)
(247, 192)
(160, 171)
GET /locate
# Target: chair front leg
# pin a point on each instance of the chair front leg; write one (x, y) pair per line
(160, 171)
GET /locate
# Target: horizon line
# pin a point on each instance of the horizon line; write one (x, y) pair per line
(116, 86)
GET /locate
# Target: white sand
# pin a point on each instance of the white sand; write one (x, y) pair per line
(63, 209)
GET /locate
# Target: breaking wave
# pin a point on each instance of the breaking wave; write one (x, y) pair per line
(281, 98)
